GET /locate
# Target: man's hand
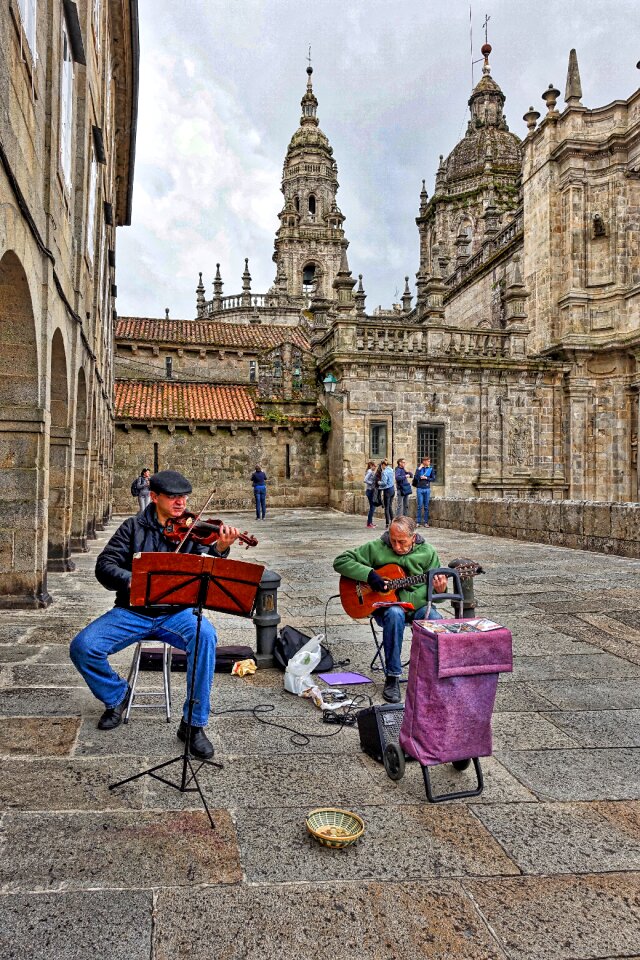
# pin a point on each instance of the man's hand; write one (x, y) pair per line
(228, 535)
(377, 583)
(440, 583)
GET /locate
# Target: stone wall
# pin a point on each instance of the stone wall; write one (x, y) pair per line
(582, 524)
(225, 459)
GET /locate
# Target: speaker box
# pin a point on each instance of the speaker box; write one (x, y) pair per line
(379, 726)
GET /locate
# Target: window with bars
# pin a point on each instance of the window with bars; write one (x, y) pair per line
(253, 371)
(431, 444)
(66, 104)
(378, 439)
(28, 10)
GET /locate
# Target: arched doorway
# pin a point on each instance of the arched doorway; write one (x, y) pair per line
(80, 468)
(59, 506)
(23, 581)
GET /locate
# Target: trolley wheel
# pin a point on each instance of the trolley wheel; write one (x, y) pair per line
(393, 759)
(461, 764)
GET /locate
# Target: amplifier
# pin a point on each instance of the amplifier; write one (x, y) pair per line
(379, 726)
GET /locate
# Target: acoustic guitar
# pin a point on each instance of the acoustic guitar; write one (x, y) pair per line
(358, 598)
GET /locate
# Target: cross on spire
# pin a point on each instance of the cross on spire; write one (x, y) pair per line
(309, 57)
(485, 25)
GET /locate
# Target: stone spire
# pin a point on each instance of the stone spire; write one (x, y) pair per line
(217, 289)
(309, 103)
(344, 283)
(424, 200)
(406, 297)
(573, 89)
(200, 300)
(246, 285)
(360, 297)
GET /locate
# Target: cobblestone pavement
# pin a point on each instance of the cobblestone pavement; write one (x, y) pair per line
(545, 864)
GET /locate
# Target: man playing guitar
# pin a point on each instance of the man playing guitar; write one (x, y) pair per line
(401, 546)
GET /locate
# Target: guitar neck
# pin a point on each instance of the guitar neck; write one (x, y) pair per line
(408, 581)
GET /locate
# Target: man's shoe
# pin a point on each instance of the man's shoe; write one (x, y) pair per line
(112, 716)
(371, 526)
(199, 744)
(391, 691)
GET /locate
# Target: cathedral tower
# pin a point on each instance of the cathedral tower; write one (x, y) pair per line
(477, 188)
(310, 240)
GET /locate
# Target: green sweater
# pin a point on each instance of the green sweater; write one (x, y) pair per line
(357, 564)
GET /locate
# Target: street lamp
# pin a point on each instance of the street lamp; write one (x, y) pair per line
(329, 383)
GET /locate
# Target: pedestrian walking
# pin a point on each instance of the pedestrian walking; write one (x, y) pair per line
(259, 481)
(424, 476)
(386, 485)
(140, 489)
(403, 488)
(371, 491)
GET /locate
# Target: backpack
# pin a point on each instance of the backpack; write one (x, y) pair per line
(134, 487)
(289, 641)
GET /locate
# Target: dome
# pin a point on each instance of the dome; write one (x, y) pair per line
(309, 137)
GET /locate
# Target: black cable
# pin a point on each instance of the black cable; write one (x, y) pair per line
(299, 739)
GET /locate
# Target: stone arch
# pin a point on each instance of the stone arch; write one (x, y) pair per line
(311, 278)
(23, 580)
(59, 505)
(80, 466)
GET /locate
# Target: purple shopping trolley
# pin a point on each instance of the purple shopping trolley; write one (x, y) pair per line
(453, 677)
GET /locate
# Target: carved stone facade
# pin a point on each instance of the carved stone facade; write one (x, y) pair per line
(517, 368)
(68, 81)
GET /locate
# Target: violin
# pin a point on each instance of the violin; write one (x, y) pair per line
(205, 532)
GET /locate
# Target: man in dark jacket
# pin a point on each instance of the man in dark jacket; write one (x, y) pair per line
(400, 545)
(123, 626)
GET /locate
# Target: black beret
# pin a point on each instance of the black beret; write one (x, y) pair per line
(169, 482)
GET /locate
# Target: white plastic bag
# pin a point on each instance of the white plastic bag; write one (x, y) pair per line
(297, 676)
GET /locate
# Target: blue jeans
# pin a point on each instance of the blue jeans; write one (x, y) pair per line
(388, 493)
(371, 497)
(260, 494)
(119, 628)
(393, 621)
(424, 496)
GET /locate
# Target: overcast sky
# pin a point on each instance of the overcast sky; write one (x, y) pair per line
(220, 89)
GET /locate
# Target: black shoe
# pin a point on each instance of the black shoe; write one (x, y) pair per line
(199, 744)
(391, 691)
(112, 716)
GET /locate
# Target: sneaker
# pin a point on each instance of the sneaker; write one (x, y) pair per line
(391, 690)
(112, 716)
(371, 526)
(199, 744)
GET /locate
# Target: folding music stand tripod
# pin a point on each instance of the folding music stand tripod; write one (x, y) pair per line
(202, 582)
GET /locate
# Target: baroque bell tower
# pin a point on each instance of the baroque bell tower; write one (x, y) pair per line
(310, 240)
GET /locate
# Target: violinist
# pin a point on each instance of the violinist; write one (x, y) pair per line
(123, 626)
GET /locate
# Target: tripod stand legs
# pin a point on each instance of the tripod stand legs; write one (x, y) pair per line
(185, 756)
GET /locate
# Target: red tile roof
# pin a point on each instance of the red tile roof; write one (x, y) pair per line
(164, 400)
(209, 333)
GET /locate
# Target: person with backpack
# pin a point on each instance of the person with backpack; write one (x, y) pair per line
(403, 488)
(140, 489)
(386, 486)
(424, 476)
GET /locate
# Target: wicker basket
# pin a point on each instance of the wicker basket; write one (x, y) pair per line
(334, 828)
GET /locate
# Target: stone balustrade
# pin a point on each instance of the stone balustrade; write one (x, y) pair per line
(487, 251)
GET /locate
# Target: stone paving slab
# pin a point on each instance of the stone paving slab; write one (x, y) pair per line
(263, 783)
(38, 736)
(47, 702)
(16, 652)
(66, 784)
(415, 843)
(612, 774)
(572, 694)
(76, 851)
(363, 921)
(545, 838)
(76, 926)
(599, 666)
(600, 728)
(586, 917)
(528, 731)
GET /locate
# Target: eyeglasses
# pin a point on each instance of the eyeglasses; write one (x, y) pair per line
(177, 496)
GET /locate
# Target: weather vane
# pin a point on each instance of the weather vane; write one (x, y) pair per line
(309, 57)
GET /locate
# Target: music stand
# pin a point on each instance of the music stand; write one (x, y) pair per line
(202, 582)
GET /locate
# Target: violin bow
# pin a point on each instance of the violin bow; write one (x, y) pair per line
(193, 523)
